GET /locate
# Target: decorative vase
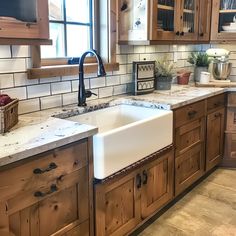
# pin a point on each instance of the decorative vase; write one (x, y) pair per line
(197, 72)
(183, 79)
(163, 82)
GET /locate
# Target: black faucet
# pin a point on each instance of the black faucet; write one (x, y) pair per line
(83, 94)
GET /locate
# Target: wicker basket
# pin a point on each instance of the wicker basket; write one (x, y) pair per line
(8, 116)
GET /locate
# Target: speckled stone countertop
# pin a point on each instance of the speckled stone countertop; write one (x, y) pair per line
(39, 132)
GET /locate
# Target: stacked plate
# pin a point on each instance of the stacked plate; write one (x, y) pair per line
(231, 27)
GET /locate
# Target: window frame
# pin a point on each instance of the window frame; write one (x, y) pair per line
(43, 68)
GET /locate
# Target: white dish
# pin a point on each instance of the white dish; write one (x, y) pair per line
(229, 28)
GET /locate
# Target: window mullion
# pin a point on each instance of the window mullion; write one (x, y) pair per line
(65, 26)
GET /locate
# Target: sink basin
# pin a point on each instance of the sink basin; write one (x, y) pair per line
(126, 134)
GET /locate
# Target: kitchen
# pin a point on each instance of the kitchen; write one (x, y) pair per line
(48, 161)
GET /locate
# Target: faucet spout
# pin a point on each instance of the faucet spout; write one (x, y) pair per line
(83, 94)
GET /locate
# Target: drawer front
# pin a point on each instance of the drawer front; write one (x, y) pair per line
(53, 212)
(189, 113)
(47, 167)
(188, 168)
(215, 103)
(189, 135)
(231, 100)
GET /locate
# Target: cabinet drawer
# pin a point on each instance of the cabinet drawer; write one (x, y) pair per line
(59, 210)
(215, 103)
(189, 113)
(188, 168)
(45, 168)
(189, 135)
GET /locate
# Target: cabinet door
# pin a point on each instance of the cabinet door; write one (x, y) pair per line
(118, 205)
(189, 167)
(204, 20)
(55, 208)
(157, 179)
(215, 138)
(164, 19)
(223, 15)
(189, 15)
(29, 20)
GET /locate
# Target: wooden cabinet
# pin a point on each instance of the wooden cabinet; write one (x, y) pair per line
(48, 194)
(158, 20)
(223, 15)
(124, 202)
(189, 145)
(229, 159)
(27, 20)
(215, 130)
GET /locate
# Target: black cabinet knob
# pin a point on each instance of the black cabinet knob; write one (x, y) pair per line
(177, 33)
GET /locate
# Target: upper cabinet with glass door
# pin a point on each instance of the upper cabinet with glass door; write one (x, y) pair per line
(24, 19)
(223, 25)
(164, 20)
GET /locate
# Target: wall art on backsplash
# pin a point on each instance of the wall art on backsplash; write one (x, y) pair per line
(143, 77)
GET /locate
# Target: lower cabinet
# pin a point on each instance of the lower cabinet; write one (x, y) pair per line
(52, 200)
(215, 138)
(124, 202)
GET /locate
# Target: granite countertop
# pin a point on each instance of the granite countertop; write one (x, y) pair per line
(39, 132)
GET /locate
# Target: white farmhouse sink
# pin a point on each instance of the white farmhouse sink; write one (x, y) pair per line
(126, 134)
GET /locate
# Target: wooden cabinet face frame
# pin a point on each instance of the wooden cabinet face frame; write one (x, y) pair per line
(11, 28)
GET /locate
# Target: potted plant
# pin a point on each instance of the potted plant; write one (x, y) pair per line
(183, 76)
(163, 74)
(201, 62)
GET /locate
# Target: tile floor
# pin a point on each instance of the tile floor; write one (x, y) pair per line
(208, 210)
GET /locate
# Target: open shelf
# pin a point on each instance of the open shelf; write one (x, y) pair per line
(228, 11)
(164, 7)
(188, 11)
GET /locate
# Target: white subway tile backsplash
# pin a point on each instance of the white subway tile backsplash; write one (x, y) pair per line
(162, 48)
(20, 51)
(139, 49)
(145, 57)
(150, 49)
(19, 92)
(120, 89)
(121, 71)
(20, 79)
(61, 87)
(6, 81)
(126, 49)
(75, 85)
(12, 65)
(5, 51)
(70, 77)
(30, 105)
(105, 92)
(113, 80)
(39, 90)
(69, 98)
(121, 59)
(49, 80)
(97, 82)
(51, 102)
(29, 63)
(133, 57)
(124, 79)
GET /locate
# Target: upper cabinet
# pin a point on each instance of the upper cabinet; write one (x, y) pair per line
(223, 25)
(24, 20)
(163, 20)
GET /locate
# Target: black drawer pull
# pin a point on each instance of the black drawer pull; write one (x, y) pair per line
(138, 181)
(145, 177)
(192, 113)
(53, 188)
(51, 166)
(201, 34)
(182, 33)
(177, 33)
(216, 104)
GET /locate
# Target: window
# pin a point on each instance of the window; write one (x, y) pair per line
(71, 28)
